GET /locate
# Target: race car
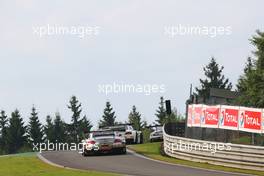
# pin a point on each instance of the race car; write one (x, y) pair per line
(156, 134)
(127, 131)
(103, 142)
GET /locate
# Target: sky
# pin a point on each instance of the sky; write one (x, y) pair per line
(131, 46)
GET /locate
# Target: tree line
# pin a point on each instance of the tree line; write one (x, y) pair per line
(250, 85)
(16, 137)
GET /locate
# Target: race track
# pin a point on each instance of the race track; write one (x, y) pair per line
(129, 164)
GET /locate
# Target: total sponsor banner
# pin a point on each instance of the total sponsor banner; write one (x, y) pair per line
(210, 116)
(197, 115)
(226, 117)
(189, 117)
(250, 120)
(229, 117)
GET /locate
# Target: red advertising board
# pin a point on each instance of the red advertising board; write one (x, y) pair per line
(189, 117)
(229, 117)
(196, 115)
(250, 120)
(210, 116)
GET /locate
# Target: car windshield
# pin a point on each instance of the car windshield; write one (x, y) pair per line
(129, 127)
(159, 128)
(103, 133)
(118, 128)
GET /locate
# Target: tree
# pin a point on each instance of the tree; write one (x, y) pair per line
(85, 126)
(49, 129)
(174, 117)
(16, 132)
(3, 132)
(134, 118)
(75, 107)
(161, 112)
(214, 79)
(35, 129)
(59, 129)
(108, 118)
(251, 83)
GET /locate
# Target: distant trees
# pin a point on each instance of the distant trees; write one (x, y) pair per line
(16, 133)
(134, 118)
(15, 136)
(214, 79)
(49, 129)
(76, 109)
(161, 112)
(251, 82)
(79, 125)
(108, 118)
(59, 129)
(85, 126)
(35, 129)
(3, 132)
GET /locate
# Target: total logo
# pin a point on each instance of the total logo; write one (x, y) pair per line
(230, 118)
(211, 116)
(252, 121)
(247, 120)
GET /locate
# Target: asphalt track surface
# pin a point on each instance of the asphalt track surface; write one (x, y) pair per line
(129, 164)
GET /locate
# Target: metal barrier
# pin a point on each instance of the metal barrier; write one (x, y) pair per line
(223, 154)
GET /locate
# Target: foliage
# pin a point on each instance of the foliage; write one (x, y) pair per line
(134, 118)
(251, 84)
(161, 112)
(108, 118)
(35, 129)
(16, 132)
(3, 132)
(214, 79)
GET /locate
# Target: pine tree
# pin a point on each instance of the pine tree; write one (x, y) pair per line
(251, 83)
(16, 132)
(76, 109)
(49, 129)
(108, 118)
(134, 118)
(59, 129)
(85, 126)
(3, 132)
(35, 129)
(161, 112)
(214, 79)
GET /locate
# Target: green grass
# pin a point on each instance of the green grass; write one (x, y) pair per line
(152, 150)
(242, 140)
(30, 165)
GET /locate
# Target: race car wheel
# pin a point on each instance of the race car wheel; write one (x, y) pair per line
(123, 150)
(141, 138)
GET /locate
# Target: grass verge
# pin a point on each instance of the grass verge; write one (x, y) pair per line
(152, 150)
(30, 165)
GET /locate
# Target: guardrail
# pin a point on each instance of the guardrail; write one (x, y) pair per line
(223, 154)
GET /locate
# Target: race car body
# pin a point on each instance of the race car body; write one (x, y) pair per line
(131, 135)
(157, 134)
(104, 142)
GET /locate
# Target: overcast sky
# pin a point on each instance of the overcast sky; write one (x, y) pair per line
(130, 48)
